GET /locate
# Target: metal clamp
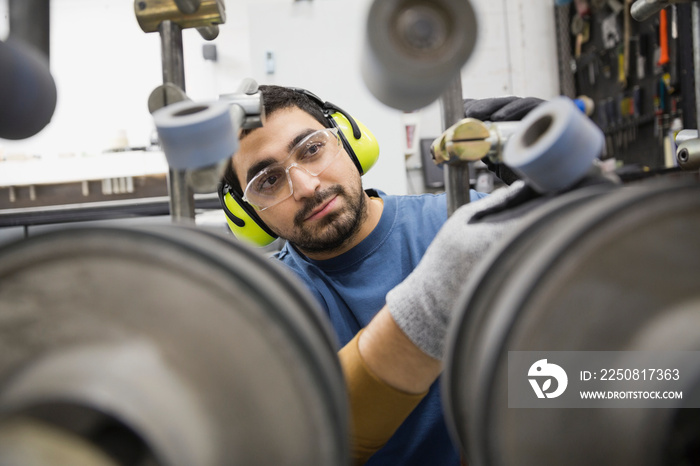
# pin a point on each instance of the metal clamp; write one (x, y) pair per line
(204, 15)
(470, 140)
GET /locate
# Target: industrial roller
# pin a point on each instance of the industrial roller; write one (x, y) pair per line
(164, 345)
(601, 268)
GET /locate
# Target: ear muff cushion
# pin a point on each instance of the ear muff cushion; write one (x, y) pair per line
(366, 148)
(251, 232)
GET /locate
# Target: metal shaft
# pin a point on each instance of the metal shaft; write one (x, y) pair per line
(457, 172)
(181, 194)
(29, 21)
(695, 21)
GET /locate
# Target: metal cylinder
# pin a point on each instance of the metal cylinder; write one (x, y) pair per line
(642, 10)
(597, 269)
(688, 154)
(167, 345)
(181, 194)
(30, 22)
(151, 13)
(413, 48)
(457, 176)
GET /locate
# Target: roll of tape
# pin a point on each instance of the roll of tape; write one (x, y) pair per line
(195, 134)
(554, 147)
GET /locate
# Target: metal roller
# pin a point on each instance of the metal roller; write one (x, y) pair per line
(414, 48)
(165, 345)
(593, 270)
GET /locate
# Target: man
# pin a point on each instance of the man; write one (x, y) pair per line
(349, 246)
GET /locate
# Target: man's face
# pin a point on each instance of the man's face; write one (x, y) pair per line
(324, 211)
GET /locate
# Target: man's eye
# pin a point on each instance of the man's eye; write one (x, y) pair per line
(269, 182)
(313, 149)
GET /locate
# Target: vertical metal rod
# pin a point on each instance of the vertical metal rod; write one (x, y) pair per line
(30, 21)
(696, 57)
(181, 195)
(456, 173)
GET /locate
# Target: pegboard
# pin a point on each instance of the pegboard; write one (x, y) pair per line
(638, 75)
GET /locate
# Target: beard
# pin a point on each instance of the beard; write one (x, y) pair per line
(335, 229)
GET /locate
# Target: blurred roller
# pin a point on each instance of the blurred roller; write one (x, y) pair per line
(164, 345)
(414, 48)
(597, 269)
(27, 90)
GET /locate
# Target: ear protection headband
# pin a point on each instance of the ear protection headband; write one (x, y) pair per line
(358, 142)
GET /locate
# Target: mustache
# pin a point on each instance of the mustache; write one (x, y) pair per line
(319, 198)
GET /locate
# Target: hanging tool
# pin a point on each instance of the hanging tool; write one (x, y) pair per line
(663, 38)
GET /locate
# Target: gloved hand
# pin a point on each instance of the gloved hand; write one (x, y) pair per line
(423, 303)
(500, 108)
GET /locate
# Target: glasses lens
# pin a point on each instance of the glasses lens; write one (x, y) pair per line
(314, 154)
(268, 187)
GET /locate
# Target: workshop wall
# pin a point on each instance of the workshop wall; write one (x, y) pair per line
(105, 67)
(639, 75)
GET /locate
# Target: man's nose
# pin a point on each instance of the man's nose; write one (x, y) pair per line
(304, 184)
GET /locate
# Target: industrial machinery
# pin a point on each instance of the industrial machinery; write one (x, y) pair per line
(173, 345)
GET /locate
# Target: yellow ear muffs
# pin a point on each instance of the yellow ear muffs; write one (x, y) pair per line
(243, 221)
(364, 150)
(358, 142)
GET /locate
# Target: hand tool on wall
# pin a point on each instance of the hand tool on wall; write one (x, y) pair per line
(663, 38)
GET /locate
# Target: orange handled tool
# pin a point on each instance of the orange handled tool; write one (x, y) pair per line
(663, 38)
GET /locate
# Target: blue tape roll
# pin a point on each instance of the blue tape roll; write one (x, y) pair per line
(554, 147)
(196, 135)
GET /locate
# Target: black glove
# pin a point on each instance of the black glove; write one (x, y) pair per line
(500, 109)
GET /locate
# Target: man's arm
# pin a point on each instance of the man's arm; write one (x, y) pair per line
(387, 376)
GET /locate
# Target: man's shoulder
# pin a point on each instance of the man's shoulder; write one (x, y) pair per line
(429, 199)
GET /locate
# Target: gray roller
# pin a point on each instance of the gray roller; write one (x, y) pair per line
(168, 345)
(594, 270)
(414, 48)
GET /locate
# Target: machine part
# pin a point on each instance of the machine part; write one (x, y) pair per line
(248, 99)
(188, 6)
(414, 48)
(686, 134)
(554, 147)
(457, 173)
(195, 135)
(181, 194)
(209, 32)
(695, 28)
(206, 179)
(30, 442)
(27, 90)
(688, 154)
(171, 342)
(644, 9)
(172, 54)
(164, 95)
(30, 22)
(597, 269)
(151, 13)
(471, 140)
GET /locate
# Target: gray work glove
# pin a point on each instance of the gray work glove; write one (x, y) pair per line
(423, 303)
(500, 109)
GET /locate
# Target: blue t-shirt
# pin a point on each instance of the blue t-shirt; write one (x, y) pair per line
(352, 289)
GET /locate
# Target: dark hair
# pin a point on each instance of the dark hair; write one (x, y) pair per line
(277, 98)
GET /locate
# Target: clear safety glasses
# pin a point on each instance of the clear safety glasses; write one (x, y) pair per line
(313, 154)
